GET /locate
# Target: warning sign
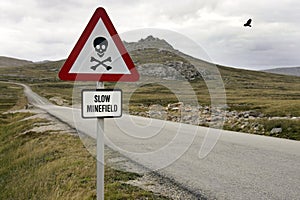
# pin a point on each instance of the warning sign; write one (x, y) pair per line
(101, 103)
(99, 54)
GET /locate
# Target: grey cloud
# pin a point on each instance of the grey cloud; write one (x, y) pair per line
(182, 11)
(261, 47)
(49, 29)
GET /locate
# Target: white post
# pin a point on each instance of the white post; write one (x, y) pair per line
(100, 153)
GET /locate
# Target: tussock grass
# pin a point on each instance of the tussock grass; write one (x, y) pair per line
(271, 94)
(11, 97)
(290, 128)
(56, 89)
(42, 165)
(51, 165)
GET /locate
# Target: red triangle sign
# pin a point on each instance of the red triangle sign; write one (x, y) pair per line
(99, 54)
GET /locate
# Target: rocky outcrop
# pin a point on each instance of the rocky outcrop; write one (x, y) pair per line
(170, 71)
(149, 42)
(246, 121)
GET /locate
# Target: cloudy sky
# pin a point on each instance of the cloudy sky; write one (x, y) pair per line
(48, 30)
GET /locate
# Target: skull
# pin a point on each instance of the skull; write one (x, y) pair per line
(100, 45)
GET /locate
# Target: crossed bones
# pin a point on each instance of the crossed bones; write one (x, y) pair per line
(101, 63)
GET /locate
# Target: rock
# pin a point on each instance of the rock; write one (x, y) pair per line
(186, 118)
(254, 113)
(205, 112)
(184, 70)
(175, 106)
(143, 114)
(157, 112)
(229, 114)
(58, 100)
(28, 106)
(188, 109)
(246, 115)
(276, 130)
(208, 119)
(156, 107)
(216, 118)
(199, 107)
(246, 121)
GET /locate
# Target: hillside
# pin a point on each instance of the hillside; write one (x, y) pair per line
(8, 62)
(271, 94)
(291, 71)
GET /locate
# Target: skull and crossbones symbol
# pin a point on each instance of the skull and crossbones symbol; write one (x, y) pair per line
(100, 45)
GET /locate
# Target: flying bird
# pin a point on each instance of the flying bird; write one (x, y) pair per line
(248, 23)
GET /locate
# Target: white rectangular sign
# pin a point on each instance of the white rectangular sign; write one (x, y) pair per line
(101, 103)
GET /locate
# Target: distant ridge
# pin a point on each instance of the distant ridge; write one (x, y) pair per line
(291, 71)
(13, 62)
(148, 42)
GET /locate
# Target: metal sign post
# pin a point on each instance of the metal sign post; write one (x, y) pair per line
(100, 153)
(101, 103)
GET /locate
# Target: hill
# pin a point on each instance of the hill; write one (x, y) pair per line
(148, 42)
(271, 94)
(8, 62)
(257, 102)
(291, 71)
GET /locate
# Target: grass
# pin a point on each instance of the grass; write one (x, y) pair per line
(290, 128)
(11, 97)
(271, 94)
(56, 89)
(52, 165)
